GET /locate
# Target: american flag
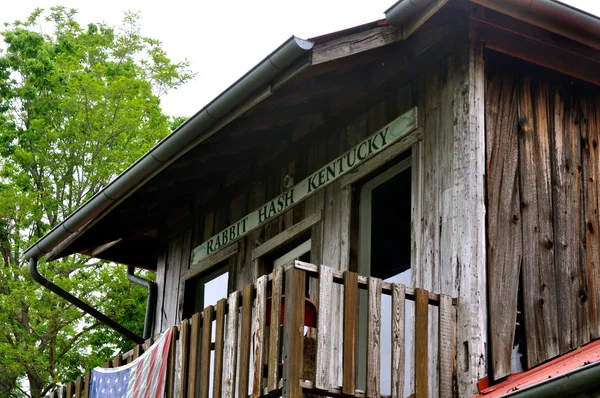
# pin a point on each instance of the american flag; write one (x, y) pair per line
(143, 377)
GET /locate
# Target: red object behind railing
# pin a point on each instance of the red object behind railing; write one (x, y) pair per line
(310, 312)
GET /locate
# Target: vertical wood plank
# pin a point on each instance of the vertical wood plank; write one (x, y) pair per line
(137, 351)
(504, 217)
(421, 343)
(161, 268)
(78, 386)
(591, 176)
(324, 331)
(590, 222)
(194, 353)
(53, 394)
(446, 346)
(184, 341)
(219, 343)
(231, 346)
(205, 350)
(398, 351)
(259, 335)
(245, 340)
(274, 338)
(86, 386)
(117, 360)
(293, 331)
(539, 296)
(350, 319)
(374, 338)
(70, 390)
(170, 382)
(572, 322)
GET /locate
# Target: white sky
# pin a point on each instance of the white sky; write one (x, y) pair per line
(224, 39)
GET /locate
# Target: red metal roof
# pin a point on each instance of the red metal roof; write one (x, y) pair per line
(585, 355)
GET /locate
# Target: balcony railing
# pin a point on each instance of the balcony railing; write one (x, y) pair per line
(231, 349)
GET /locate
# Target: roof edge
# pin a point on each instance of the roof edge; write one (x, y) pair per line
(168, 149)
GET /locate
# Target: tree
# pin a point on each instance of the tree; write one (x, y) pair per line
(77, 105)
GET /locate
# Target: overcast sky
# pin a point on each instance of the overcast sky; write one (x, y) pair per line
(224, 39)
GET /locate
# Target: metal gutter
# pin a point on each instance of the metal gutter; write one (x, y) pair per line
(151, 303)
(577, 381)
(169, 148)
(551, 15)
(33, 271)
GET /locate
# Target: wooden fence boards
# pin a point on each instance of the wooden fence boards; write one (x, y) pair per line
(259, 335)
(324, 332)
(245, 341)
(293, 332)
(231, 346)
(194, 354)
(207, 315)
(184, 341)
(349, 335)
(219, 343)
(374, 338)
(504, 220)
(447, 341)
(274, 338)
(398, 351)
(421, 343)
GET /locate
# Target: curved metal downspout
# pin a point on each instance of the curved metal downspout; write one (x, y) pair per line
(151, 304)
(35, 274)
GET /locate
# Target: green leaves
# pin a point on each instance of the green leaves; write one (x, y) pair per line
(77, 106)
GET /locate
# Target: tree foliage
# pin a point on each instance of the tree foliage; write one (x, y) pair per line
(77, 105)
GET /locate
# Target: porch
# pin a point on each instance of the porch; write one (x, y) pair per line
(225, 353)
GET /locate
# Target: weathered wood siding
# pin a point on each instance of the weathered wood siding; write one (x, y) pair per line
(445, 80)
(543, 222)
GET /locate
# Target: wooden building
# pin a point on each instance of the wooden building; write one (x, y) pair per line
(447, 154)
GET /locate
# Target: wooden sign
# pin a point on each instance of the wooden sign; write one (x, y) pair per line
(383, 138)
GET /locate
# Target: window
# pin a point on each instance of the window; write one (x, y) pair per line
(206, 289)
(384, 252)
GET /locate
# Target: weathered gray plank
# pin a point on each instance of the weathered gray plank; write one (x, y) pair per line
(350, 325)
(215, 258)
(421, 344)
(354, 43)
(295, 280)
(324, 332)
(539, 296)
(245, 341)
(447, 339)
(259, 335)
(286, 236)
(398, 351)
(374, 338)
(274, 338)
(470, 166)
(504, 216)
(231, 346)
(172, 357)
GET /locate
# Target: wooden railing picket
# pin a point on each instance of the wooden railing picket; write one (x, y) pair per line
(446, 348)
(231, 346)
(274, 337)
(398, 351)
(170, 382)
(374, 337)
(184, 342)
(421, 342)
(293, 332)
(207, 315)
(324, 332)
(70, 390)
(245, 340)
(86, 385)
(236, 341)
(349, 332)
(219, 343)
(78, 386)
(259, 335)
(193, 357)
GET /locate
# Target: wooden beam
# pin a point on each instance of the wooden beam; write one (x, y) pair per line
(293, 330)
(421, 344)
(215, 258)
(286, 236)
(355, 43)
(231, 346)
(245, 340)
(536, 51)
